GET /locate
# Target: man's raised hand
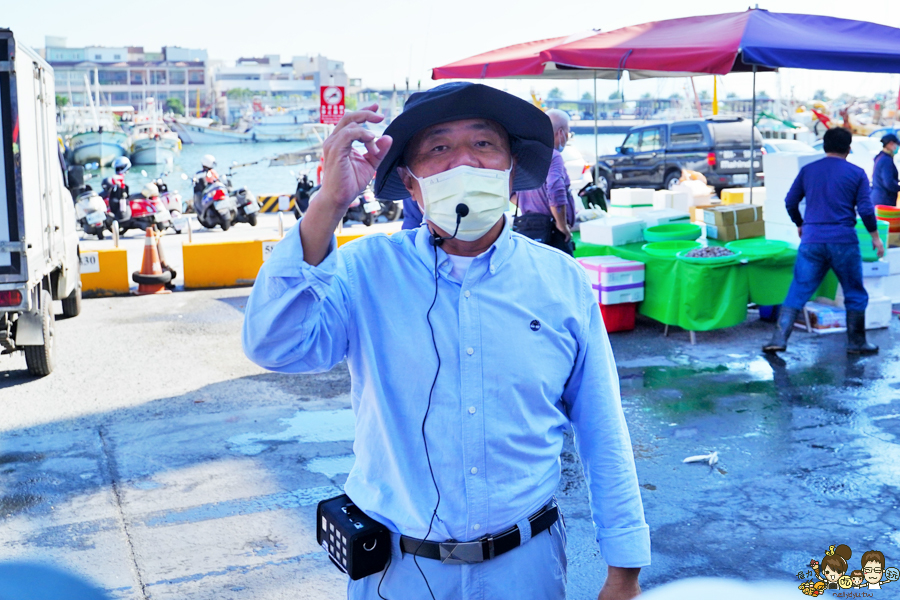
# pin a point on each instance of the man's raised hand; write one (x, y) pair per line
(346, 172)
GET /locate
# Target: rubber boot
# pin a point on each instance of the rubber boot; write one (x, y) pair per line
(786, 318)
(856, 334)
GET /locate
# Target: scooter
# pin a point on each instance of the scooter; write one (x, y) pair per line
(365, 208)
(134, 211)
(92, 213)
(247, 206)
(172, 200)
(215, 207)
(305, 189)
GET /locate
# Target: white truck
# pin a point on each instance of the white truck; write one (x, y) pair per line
(39, 258)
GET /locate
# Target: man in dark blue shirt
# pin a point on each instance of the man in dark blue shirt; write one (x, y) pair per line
(884, 175)
(835, 191)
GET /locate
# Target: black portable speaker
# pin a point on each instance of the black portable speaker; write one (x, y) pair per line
(357, 544)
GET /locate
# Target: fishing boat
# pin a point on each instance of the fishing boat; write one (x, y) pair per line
(101, 146)
(152, 142)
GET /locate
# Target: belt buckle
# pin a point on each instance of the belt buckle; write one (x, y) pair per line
(465, 553)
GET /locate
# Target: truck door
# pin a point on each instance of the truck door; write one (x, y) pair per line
(649, 159)
(46, 141)
(623, 163)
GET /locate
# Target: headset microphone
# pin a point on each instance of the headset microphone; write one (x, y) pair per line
(461, 211)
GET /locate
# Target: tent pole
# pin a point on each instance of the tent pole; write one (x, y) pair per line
(596, 151)
(752, 132)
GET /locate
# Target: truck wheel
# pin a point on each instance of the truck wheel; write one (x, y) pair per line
(39, 359)
(72, 303)
(603, 183)
(671, 180)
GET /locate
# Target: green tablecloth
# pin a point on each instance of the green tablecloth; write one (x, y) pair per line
(702, 298)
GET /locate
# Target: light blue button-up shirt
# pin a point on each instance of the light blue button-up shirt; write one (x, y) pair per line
(523, 353)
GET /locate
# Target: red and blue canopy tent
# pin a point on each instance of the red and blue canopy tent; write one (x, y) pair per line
(750, 41)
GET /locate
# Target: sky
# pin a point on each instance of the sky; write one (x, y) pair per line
(387, 41)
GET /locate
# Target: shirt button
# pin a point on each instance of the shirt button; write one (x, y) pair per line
(473, 470)
(468, 293)
(476, 526)
(471, 410)
(493, 268)
(470, 351)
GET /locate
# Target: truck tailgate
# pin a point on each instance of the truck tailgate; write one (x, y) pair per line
(737, 160)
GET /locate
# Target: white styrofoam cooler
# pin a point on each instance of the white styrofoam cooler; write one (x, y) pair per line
(892, 288)
(878, 312)
(612, 231)
(664, 217)
(619, 294)
(638, 197)
(893, 257)
(877, 268)
(663, 199)
(780, 231)
(781, 168)
(612, 270)
(628, 211)
(875, 288)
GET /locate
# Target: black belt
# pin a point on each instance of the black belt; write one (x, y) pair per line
(452, 552)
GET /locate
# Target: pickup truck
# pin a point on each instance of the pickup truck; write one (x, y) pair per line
(652, 156)
(39, 258)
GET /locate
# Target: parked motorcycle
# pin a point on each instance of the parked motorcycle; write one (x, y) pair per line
(365, 208)
(135, 211)
(172, 200)
(215, 207)
(92, 213)
(305, 189)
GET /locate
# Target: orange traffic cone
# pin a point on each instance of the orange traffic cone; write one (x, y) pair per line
(151, 279)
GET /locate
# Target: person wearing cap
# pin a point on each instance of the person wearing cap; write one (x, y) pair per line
(551, 204)
(471, 350)
(835, 191)
(885, 185)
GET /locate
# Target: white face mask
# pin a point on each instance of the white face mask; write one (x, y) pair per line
(484, 191)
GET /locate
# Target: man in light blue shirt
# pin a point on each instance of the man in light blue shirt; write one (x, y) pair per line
(471, 350)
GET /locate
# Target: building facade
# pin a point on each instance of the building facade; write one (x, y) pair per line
(129, 75)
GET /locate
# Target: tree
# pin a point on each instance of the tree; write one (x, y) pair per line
(61, 100)
(646, 96)
(350, 103)
(704, 95)
(762, 94)
(616, 96)
(587, 97)
(820, 95)
(555, 94)
(175, 105)
(731, 95)
(240, 94)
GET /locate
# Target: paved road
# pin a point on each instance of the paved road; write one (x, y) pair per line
(161, 463)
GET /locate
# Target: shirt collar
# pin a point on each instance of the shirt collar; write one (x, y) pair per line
(497, 254)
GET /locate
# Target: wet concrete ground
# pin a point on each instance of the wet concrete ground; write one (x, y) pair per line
(162, 464)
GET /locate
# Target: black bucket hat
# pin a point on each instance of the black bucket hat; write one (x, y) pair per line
(529, 129)
(890, 138)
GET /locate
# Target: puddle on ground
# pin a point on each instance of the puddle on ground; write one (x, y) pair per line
(304, 426)
(329, 466)
(16, 503)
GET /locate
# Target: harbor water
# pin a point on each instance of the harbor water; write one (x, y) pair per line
(264, 180)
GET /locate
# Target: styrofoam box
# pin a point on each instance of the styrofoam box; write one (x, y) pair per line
(781, 168)
(780, 231)
(663, 199)
(620, 294)
(878, 312)
(893, 257)
(628, 211)
(631, 197)
(612, 270)
(892, 288)
(664, 217)
(875, 288)
(878, 268)
(759, 195)
(612, 231)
